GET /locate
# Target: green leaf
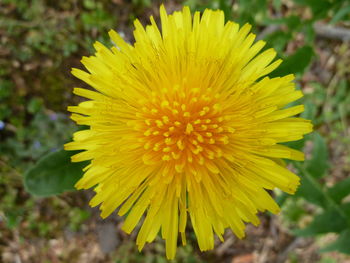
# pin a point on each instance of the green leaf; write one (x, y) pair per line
(310, 192)
(34, 105)
(312, 169)
(309, 32)
(89, 4)
(244, 13)
(341, 244)
(318, 165)
(293, 22)
(319, 7)
(295, 63)
(340, 190)
(329, 221)
(297, 145)
(278, 40)
(342, 12)
(310, 111)
(226, 6)
(53, 174)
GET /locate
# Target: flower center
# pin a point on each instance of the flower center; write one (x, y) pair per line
(183, 129)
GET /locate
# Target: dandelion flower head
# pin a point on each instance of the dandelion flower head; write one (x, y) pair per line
(185, 123)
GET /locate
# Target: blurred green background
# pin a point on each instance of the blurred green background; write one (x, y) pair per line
(41, 40)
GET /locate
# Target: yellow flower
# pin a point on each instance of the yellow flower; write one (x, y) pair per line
(184, 123)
